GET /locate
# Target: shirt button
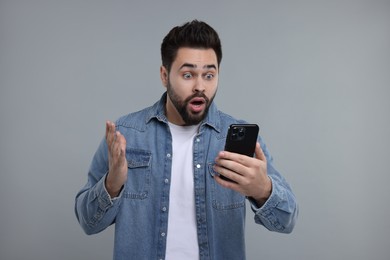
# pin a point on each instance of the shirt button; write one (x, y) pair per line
(198, 166)
(163, 234)
(168, 155)
(164, 209)
(197, 140)
(166, 181)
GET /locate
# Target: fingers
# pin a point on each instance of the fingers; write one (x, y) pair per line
(243, 159)
(229, 161)
(117, 163)
(230, 165)
(231, 175)
(116, 142)
(120, 139)
(248, 175)
(110, 131)
(259, 154)
(119, 144)
(238, 167)
(230, 184)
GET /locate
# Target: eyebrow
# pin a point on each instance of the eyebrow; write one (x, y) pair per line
(194, 66)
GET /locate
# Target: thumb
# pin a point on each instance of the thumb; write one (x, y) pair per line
(259, 154)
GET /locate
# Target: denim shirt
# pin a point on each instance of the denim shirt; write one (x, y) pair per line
(140, 212)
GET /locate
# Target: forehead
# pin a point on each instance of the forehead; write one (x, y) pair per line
(198, 57)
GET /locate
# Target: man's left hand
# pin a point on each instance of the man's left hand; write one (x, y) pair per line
(248, 175)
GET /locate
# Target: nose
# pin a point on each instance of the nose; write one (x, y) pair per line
(199, 85)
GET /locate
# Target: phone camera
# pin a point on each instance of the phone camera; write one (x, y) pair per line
(238, 133)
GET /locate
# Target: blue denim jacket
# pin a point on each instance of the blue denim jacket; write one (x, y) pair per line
(140, 212)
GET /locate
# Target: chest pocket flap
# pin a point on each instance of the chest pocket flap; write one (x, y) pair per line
(138, 173)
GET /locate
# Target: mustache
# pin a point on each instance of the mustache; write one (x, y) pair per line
(197, 95)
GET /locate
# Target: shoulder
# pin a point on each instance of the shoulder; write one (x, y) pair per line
(141, 118)
(230, 119)
(137, 119)
(225, 120)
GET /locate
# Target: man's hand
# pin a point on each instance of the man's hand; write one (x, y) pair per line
(117, 163)
(249, 175)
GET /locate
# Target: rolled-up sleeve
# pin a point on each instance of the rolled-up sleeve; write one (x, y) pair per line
(279, 212)
(94, 208)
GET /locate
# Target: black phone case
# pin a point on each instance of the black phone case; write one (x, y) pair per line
(242, 138)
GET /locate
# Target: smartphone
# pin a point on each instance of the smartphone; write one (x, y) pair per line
(241, 138)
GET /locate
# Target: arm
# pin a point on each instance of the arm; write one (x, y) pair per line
(279, 213)
(271, 197)
(95, 209)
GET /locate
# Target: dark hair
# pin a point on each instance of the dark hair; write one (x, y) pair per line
(194, 34)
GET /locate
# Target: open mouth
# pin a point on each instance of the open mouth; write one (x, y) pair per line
(197, 104)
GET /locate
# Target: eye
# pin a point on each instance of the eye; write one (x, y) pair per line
(187, 75)
(209, 76)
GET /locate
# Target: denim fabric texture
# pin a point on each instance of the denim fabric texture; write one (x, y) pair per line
(140, 212)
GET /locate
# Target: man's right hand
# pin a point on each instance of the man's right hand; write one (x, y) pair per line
(117, 163)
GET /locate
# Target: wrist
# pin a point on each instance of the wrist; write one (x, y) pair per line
(112, 189)
(265, 192)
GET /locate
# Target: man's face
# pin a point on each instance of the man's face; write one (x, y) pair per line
(191, 85)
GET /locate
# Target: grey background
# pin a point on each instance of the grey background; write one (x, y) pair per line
(313, 74)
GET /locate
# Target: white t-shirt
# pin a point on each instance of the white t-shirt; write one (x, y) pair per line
(182, 238)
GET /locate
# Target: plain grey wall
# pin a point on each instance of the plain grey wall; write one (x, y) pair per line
(315, 75)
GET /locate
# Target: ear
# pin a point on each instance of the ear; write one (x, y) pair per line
(164, 76)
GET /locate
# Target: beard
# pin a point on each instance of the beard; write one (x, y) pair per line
(182, 106)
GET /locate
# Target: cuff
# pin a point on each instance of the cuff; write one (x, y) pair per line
(101, 193)
(277, 195)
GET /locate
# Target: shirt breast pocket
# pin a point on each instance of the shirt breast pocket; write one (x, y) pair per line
(223, 198)
(138, 173)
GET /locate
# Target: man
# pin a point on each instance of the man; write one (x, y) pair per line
(156, 175)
